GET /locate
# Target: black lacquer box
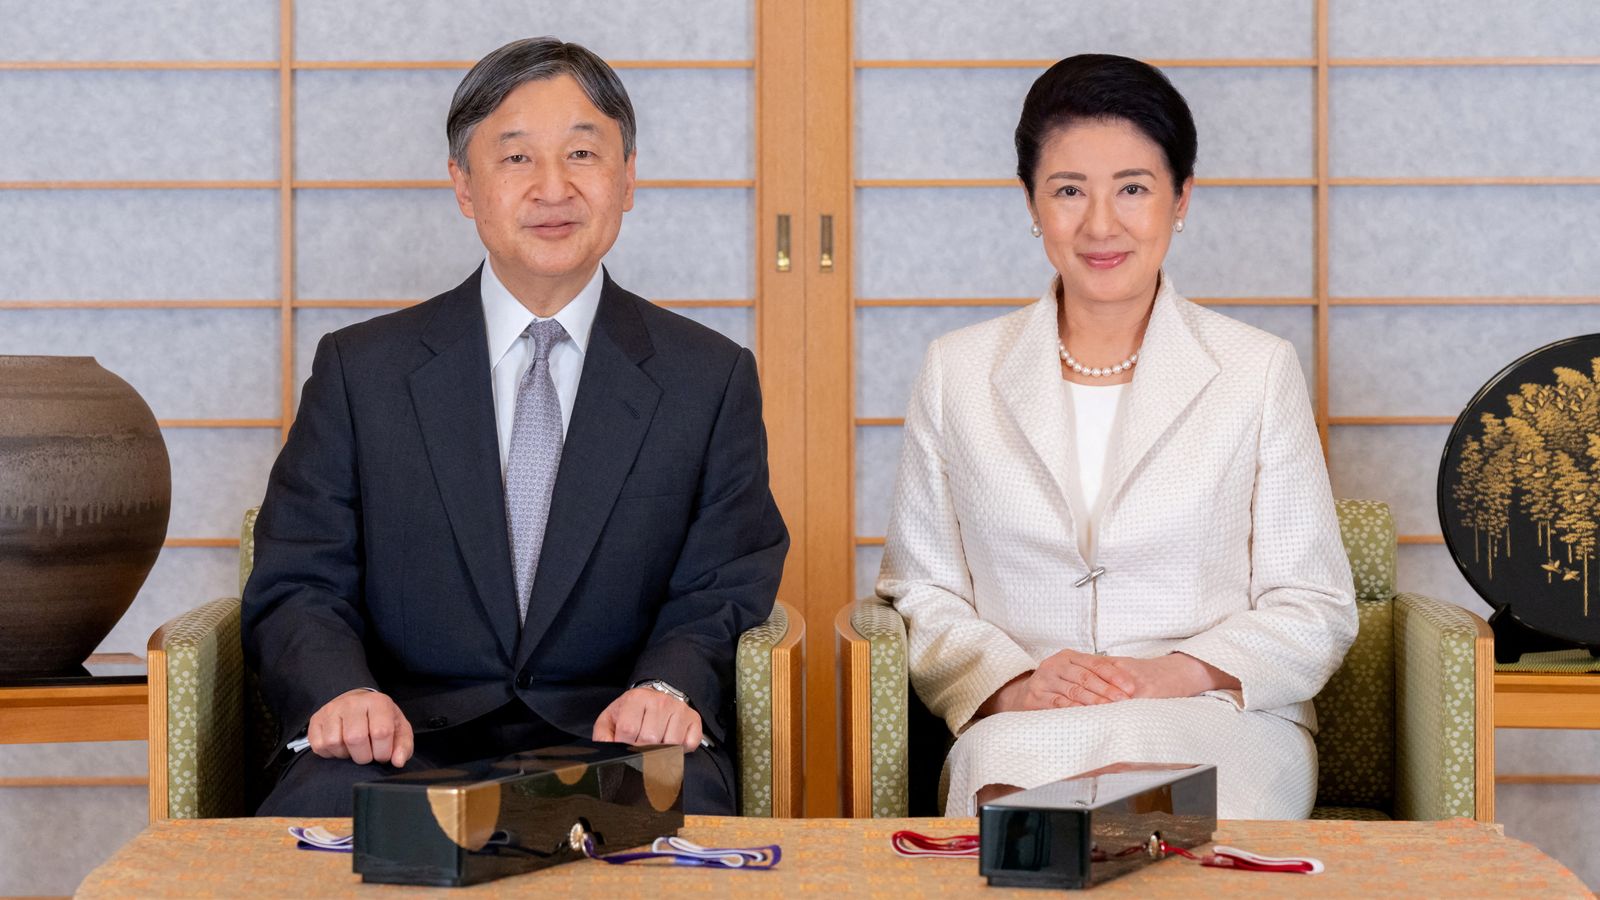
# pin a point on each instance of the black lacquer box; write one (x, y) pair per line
(1091, 828)
(497, 817)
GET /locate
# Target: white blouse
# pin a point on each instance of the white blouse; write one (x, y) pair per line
(1094, 410)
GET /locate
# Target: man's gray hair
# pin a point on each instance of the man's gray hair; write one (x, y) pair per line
(534, 59)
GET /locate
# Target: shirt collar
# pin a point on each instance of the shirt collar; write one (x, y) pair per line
(506, 318)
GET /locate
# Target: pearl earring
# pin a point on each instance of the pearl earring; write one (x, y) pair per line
(1178, 226)
(1036, 232)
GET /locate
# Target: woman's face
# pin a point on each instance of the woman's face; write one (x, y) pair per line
(1103, 197)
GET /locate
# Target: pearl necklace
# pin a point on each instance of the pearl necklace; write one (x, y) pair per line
(1082, 369)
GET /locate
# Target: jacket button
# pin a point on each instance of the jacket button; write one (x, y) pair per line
(437, 722)
(524, 681)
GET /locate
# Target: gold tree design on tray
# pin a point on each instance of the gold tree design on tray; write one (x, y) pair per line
(1544, 456)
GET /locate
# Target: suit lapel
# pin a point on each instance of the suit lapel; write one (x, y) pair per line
(1173, 369)
(1027, 378)
(615, 404)
(454, 402)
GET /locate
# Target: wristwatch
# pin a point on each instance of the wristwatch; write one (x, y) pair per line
(656, 684)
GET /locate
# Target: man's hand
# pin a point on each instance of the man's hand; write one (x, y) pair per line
(362, 726)
(647, 716)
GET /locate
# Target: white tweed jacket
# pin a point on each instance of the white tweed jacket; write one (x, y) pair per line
(1218, 534)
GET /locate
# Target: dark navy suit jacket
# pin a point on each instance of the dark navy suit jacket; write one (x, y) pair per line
(382, 557)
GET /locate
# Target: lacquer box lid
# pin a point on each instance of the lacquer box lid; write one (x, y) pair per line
(497, 817)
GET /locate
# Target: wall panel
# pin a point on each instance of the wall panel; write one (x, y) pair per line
(140, 126)
(171, 29)
(187, 364)
(621, 29)
(139, 245)
(1040, 29)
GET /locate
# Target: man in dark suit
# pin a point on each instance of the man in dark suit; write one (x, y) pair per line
(532, 509)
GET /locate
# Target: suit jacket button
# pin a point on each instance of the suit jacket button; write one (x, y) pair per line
(524, 681)
(437, 722)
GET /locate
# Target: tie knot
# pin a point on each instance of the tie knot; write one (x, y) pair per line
(544, 335)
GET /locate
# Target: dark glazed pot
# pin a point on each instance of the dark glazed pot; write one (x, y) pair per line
(85, 489)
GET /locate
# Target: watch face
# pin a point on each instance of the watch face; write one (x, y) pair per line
(1519, 490)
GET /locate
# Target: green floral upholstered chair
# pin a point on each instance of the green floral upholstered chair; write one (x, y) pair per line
(209, 730)
(1405, 725)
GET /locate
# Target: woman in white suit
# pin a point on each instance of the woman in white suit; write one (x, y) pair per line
(1112, 536)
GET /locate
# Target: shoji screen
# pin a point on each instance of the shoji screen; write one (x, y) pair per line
(194, 192)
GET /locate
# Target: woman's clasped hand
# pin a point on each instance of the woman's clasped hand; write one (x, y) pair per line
(1074, 678)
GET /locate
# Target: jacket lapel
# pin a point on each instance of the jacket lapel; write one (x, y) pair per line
(454, 402)
(1173, 369)
(615, 404)
(1027, 379)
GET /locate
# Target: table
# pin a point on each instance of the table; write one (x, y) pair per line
(1457, 857)
(106, 703)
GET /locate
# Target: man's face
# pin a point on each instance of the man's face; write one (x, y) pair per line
(547, 184)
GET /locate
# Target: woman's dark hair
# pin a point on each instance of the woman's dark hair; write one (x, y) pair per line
(1096, 86)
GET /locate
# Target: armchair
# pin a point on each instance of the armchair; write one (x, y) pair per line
(1406, 724)
(210, 731)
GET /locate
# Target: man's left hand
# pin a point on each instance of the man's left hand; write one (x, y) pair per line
(646, 716)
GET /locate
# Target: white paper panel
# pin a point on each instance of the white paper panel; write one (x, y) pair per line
(677, 243)
(1556, 818)
(735, 323)
(1463, 241)
(1398, 464)
(692, 123)
(217, 473)
(617, 29)
(68, 760)
(1541, 751)
(877, 461)
(81, 126)
(139, 245)
(187, 364)
(1428, 569)
(1038, 29)
(381, 244)
(890, 343)
(1432, 360)
(974, 242)
(183, 578)
(1456, 28)
(1506, 120)
(309, 327)
(170, 29)
(960, 123)
(868, 559)
(51, 838)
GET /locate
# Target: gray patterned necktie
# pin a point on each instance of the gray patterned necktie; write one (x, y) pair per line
(535, 456)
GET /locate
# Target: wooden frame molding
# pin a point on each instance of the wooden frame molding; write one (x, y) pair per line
(1483, 721)
(855, 716)
(788, 725)
(156, 752)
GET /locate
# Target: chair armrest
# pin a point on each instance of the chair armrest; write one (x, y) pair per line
(1444, 711)
(197, 736)
(770, 665)
(873, 708)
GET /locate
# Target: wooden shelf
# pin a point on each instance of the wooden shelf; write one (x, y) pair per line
(1546, 700)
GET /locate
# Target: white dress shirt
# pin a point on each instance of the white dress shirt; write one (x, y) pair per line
(1094, 415)
(510, 356)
